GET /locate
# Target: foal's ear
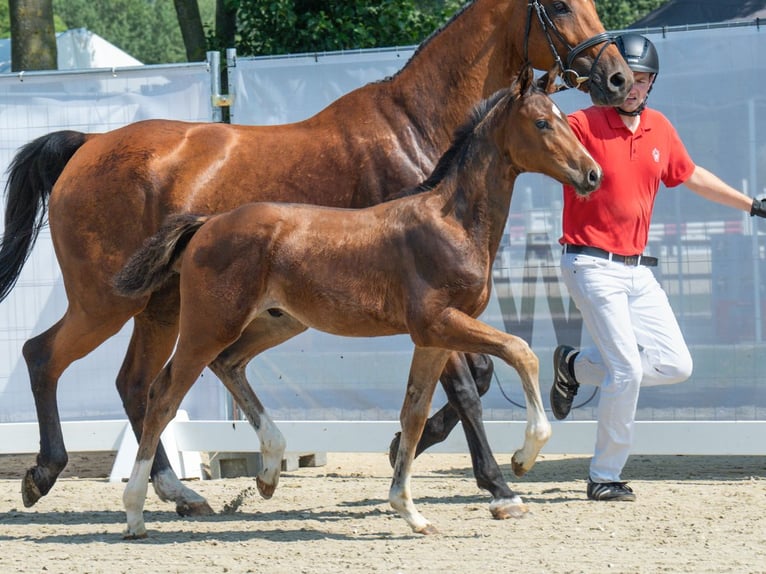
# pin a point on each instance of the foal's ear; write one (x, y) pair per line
(523, 81)
(547, 82)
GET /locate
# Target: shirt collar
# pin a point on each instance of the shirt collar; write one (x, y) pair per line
(615, 120)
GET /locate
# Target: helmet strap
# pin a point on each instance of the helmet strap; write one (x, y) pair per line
(636, 112)
(639, 109)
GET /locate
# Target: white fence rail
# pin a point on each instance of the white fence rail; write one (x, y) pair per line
(185, 439)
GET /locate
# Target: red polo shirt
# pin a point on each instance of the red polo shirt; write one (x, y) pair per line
(616, 216)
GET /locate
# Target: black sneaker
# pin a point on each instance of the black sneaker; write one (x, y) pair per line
(610, 491)
(564, 386)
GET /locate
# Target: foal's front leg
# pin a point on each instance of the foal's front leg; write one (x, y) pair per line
(471, 376)
(456, 330)
(426, 365)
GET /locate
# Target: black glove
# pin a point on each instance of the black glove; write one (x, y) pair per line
(758, 208)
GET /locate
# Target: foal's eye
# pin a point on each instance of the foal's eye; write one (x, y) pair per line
(561, 8)
(542, 124)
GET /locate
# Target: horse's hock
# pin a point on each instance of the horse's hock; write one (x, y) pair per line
(217, 465)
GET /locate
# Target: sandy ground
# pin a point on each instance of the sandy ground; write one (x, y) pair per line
(693, 514)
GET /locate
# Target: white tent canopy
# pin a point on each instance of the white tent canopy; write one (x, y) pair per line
(77, 49)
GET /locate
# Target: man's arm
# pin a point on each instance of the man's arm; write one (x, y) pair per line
(708, 185)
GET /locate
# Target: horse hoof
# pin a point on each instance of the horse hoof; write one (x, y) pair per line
(30, 493)
(427, 530)
(264, 489)
(393, 449)
(508, 508)
(193, 509)
(519, 468)
(128, 535)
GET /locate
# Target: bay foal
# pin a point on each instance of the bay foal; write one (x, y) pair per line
(421, 264)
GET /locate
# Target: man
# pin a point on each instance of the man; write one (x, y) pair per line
(637, 339)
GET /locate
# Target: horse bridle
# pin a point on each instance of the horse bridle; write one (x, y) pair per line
(571, 78)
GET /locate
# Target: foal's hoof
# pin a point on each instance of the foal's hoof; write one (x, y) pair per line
(393, 449)
(264, 489)
(519, 468)
(30, 493)
(201, 508)
(128, 535)
(428, 529)
(505, 508)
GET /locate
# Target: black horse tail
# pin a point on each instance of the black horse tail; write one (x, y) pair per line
(31, 175)
(152, 265)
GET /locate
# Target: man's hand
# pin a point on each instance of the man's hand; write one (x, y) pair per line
(758, 208)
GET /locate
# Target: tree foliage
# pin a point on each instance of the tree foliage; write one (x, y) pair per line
(33, 40)
(619, 14)
(294, 26)
(146, 29)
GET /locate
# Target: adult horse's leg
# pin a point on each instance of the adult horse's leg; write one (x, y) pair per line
(426, 365)
(266, 331)
(154, 335)
(47, 355)
(463, 396)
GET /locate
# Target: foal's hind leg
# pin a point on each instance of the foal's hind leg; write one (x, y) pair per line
(266, 331)
(165, 395)
(154, 335)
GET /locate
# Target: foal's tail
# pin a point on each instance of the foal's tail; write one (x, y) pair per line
(151, 266)
(31, 175)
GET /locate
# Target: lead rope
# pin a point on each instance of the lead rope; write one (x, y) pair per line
(508, 398)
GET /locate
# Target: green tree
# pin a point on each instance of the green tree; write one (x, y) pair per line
(193, 33)
(33, 40)
(619, 14)
(146, 29)
(294, 26)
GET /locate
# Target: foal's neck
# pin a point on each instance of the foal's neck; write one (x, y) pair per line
(478, 195)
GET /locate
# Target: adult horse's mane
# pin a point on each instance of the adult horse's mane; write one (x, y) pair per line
(461, 136)
(426, 42)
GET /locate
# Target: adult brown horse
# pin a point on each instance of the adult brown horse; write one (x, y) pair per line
(420, 264)
(107, 192)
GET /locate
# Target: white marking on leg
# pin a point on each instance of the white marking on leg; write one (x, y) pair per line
(400, 494)
(272, 452)
(134, 497)
(168, 487)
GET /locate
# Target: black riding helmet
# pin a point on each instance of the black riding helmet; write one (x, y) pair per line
(639, 53)
(641, 56)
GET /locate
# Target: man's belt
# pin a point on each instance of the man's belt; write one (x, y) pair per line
(631, 260)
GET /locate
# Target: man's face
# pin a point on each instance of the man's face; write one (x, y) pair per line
(642, 81)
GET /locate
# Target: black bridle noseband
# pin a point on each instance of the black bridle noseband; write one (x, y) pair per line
(571, 78)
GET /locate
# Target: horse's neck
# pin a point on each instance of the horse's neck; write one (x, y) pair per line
(478, 195)
(465, 62)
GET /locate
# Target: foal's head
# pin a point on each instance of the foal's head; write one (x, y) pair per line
(537, 138)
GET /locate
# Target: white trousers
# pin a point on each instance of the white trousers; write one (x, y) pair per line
(637, 342)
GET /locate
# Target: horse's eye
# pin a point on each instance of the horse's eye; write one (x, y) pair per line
(561, 8)
(542, 124)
